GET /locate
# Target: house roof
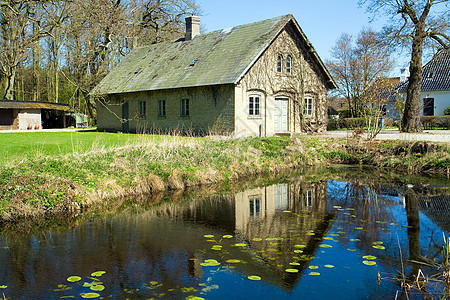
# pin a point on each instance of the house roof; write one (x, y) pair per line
(219, 57)
(436, 74)
(9, 104)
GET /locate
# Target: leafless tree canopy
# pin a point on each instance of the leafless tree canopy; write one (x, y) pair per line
(413, 24)
(57, 50)
(356, 65)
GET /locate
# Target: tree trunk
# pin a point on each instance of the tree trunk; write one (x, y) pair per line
(411, 114)
(9, 85)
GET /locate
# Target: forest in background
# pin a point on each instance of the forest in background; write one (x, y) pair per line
(58, 50)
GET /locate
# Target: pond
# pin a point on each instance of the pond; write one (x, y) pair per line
(334, 234)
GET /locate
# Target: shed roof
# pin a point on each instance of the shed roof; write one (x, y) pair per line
(9, 104)
(219, 57)
(436, 74)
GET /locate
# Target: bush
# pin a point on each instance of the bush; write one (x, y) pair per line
(346, 123)
(447, 111)
(430, 122)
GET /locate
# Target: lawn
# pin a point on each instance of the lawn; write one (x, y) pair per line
(17, 146)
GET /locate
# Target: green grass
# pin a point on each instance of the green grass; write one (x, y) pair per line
(30, 145)
(45, 170)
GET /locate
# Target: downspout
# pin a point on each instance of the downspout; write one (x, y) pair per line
(265, 114)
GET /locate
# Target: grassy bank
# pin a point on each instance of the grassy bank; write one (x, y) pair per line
(134, 164)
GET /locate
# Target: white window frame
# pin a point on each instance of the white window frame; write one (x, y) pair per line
(279, 63)
(308, 106)
(288, 64)
(255, 206)
(254, 106)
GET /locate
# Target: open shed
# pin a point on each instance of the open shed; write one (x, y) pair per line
(25, 115)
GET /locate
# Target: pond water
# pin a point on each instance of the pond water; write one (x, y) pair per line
(315, 236)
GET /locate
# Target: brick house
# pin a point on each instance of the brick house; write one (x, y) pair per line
(259, 79)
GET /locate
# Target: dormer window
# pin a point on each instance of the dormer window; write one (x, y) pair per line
(279, 63)
(288, 64)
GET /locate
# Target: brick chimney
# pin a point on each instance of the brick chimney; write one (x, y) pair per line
(192, 27)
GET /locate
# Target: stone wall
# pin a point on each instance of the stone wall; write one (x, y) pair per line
(211, 110)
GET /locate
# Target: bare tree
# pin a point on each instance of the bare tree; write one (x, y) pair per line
(22, 24)
(413, 24)
(357, 65)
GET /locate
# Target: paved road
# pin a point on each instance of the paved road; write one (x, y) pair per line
(391, 134)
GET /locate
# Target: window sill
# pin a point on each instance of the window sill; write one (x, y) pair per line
(254, 117)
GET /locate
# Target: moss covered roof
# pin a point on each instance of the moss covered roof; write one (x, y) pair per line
(9, 104)
(219, 57)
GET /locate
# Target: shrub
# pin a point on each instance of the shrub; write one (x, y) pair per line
(447, 111)
(430, 122)
(349, 123)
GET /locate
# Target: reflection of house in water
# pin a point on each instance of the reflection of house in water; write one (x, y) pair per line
(281, 223)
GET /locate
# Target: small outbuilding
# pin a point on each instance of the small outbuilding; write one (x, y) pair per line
(26, 115)
(259, 79)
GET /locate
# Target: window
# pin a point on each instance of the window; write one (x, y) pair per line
(279, 63)
(142, 110)
(162, 108)
(308, 198)
(308, 107)
(288, 64)
(253, 106)
(255, 206)
(185, 107)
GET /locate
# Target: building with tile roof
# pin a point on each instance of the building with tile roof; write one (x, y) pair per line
(435, 88)
(262, 78)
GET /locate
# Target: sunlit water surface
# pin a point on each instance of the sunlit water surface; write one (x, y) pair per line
(300, 239)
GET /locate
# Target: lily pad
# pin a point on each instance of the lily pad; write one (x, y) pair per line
(379, 247)
(377, 243)
(313, 267)
(3, 286)
(217, 247)
(325, 246)
(337, 206)
(291, 270)
(351, 249)
(329, 266)
(300, 246)
(233, 261)
(294, 264)
(74, 278)
(97, 287)
(355, 240)
(227, 236)
(257, 239)
(210, 263)
(240, 245)
(369, 257)
(209, 236)
(254, 277)
(369, 262)
(358, 228)
(90, 295)
(314, 273)
(298, 251)
(98, 273)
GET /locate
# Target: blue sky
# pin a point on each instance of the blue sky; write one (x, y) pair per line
(323, 21)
